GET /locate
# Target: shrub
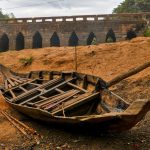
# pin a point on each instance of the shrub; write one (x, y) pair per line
(26, 61)
(109, 40)
(147, 32)
(94, 42)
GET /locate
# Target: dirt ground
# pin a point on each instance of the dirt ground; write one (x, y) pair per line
(104, 60)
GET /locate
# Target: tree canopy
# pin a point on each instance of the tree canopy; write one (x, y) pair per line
(6, 16)
(133, 6)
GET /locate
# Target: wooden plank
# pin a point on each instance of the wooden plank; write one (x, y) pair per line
(50, 90)
(12, 83)
(52, 82)
(12, 93)
(61, 101)
(42, 97)
(19, 81)
(50, 75)
(77, 87)
(34, 84)
(9, 86)
(60, 91)
(6, 84)
(85, 83)
(128, 74)
(75, 102)
(41, 102)
(57, 98)
(16, 83)
(21, 84)
(23, 89)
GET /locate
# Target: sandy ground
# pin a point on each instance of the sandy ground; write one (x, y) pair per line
(104, 60)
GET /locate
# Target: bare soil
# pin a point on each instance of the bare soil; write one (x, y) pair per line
(104, 60)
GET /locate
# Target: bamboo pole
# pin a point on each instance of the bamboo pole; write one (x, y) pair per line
(128, 74)
(16, 125)
(32, 131)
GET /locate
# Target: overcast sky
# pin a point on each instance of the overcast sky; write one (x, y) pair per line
(39, 8)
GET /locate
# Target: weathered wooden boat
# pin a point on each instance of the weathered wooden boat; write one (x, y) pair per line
(70, 99)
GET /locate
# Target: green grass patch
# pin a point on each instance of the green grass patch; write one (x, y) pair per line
(26, 61)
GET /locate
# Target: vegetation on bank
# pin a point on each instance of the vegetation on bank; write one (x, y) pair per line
(147, 32)
(133, 6)
(6, 16)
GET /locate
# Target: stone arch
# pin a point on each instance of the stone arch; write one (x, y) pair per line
(90, 38)
(73, 40)
(55, 41)
(37, 40)
(4, 43)
(110, 36)
(19, 41)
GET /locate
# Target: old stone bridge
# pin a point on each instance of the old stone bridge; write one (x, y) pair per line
(23, 33)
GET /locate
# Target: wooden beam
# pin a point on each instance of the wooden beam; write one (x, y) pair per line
(52, 82)
(43, 101)
(34, 84)
(76, 102)
(128, 74)
(50, 90)
(60, 99)
(23, 89)
(12, 93)
(60, 91)
(12, 83)
(85, 83)
(17, 80)
(77, 87)
(6, 84)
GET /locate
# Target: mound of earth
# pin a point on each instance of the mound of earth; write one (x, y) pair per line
(104, 60)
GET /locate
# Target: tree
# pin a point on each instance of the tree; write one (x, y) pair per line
(6, 16)
(133, 6)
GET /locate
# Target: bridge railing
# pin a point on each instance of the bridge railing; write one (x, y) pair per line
(122, 16)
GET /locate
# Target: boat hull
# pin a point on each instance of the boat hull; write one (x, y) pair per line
(111, 122)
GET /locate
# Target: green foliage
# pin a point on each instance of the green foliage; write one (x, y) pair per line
(94, 42)
(6, 16)
(109, 40)
(147, 32)
(133, 6)
(26, 61)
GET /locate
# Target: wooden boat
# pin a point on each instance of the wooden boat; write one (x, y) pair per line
(70, 99)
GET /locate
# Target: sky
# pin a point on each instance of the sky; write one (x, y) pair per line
(48, 8)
